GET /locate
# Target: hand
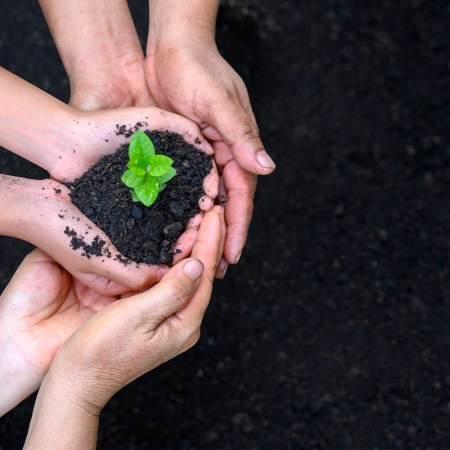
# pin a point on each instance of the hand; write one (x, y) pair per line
(137, 334)
(39, 309)
(101, 52)
(42, 213)
(192, 79)
(94, 134)
(43, 305)
(125, 340)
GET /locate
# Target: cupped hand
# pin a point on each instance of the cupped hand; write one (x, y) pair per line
(46, 217)
(91, 135)
(39, 309)
(193, 80)
(136, 334)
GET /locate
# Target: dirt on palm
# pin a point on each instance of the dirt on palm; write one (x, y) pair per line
(144, 234)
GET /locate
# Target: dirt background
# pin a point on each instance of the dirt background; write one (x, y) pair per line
(333, 332)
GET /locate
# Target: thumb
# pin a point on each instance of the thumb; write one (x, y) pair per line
(238, 129)
(171, 294)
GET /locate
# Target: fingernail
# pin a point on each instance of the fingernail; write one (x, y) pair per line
(221, 268)
(238, 257)
(193, 269)
(265, 160)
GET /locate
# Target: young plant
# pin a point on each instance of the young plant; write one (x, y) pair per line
(147, 173)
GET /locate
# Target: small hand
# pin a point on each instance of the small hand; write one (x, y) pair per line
(39, 309)
(45, 216)
(91, 135)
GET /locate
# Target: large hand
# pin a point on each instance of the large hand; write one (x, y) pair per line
(193, 80)
(100, 50)
(123, 341)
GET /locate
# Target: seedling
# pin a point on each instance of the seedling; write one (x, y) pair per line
(147, 173)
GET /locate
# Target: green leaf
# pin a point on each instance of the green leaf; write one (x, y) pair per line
(134, 196)
(130, 178)
(147, 173)
(147, 189)
(140, 151)
(141, 146)
(136, 167)
(159, 164)
(171, 172)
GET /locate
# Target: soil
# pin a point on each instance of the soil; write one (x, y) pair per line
(333, 330)
(140, 233)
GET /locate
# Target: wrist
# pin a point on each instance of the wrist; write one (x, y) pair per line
(18, 379)
(15, 195)
(92, 36)
(74, 426)
(84, 388)
(180, 24)
(36, 121)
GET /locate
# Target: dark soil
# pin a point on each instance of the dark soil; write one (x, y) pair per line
(144, 234)
(333, 330)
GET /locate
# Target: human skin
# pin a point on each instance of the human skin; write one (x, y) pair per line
(126, 339)
(100, 50)
(184, 73)
(187, 75)
(65, 142)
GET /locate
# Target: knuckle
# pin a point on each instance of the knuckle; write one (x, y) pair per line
(193, 339)
(177, 291)
(247, 128)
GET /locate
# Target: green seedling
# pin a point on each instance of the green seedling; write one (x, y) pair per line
(147, 173)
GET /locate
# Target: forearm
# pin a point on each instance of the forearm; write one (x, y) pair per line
(174, 20)
(92, 36)
(16, 200)
(32, 121)
(17, 379)
(61, 421)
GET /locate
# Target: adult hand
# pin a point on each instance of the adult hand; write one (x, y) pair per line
(188, 76)
(101, 52)
(123, 341)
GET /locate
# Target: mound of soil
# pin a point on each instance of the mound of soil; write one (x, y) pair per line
(144, 234)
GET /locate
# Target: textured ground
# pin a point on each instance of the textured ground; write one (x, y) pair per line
(334, 330)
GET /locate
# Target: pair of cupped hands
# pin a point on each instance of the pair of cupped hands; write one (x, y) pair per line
(57, 291)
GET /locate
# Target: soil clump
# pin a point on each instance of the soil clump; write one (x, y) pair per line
(145, 235)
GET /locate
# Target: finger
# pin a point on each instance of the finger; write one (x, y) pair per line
(208, 248)
(37, 279)
(211, 188)
(222, 154)
(240, 132)
(170, 295)
(185, 243)
(240, 187)
(221, 269)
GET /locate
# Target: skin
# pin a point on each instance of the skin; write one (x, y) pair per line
(182, 72)
(116, 339)
(65, 142)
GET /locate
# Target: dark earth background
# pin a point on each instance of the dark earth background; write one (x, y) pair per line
(333, 332)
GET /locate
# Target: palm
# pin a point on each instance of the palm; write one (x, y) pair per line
(45, 305)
